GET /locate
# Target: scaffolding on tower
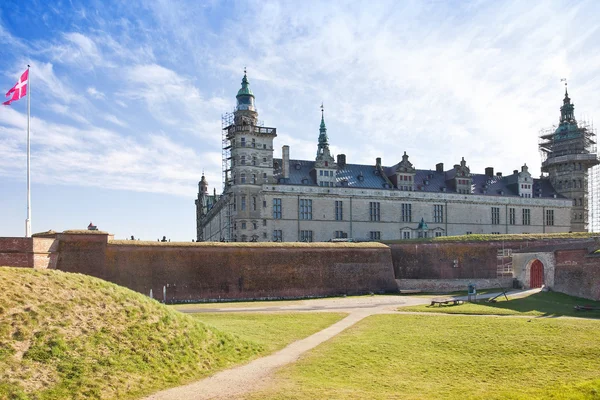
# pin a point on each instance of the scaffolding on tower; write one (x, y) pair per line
(226, 123)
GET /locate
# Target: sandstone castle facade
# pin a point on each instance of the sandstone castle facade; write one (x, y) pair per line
(269, 199)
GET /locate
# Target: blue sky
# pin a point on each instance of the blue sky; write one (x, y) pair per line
(127, 96)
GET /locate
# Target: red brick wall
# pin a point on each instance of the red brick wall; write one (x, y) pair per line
(27, 252)
(577, 273)
(192, 273)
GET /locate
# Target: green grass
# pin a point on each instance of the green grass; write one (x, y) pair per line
(454, 293)
(272, 331)
(496, 238)
(549, 304)
(66, 336)
(448, 357)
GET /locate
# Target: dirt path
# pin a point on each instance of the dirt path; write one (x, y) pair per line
(237, 381)
(233, 383)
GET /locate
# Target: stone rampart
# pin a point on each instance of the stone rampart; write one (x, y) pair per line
(577, 273)
(30, 252)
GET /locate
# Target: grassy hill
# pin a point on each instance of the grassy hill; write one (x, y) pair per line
(73, 336)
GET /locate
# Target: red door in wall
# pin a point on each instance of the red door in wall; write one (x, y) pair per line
(536, 274)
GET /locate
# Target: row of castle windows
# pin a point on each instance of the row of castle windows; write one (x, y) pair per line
(254, 160)
(574, 184)
(567, 167)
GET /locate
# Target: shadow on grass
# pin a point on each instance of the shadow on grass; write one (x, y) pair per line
(547, 304)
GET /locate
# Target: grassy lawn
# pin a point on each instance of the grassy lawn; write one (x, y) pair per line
(455, 293)
(272, 331)
(448, 357)
(538, 304)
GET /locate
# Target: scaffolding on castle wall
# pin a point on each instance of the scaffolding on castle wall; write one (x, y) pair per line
(552, 145)
(594, 198)
(226, 122)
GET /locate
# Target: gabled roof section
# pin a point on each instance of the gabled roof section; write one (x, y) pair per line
(367, 177)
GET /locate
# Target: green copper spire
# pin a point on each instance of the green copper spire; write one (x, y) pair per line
(567, 127)
(245, 89)
(322, 129)
(245, 98)
(323, 147)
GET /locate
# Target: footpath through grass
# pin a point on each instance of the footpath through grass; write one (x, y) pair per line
(549, 304)
(272, 331)
(448, 357)
(72, 336)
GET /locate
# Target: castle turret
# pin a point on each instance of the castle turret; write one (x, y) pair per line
(568, 151)
(325, 166)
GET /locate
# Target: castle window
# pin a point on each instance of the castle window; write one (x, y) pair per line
(253, 142)
(549, 217)
(242, 178)
(243, 142)
(253, 203)
(320, 172)
(305, 209)
(264, 204)
(438, 234)
(243, 204)
(375, 235)
(375, 211)
(278, 235)
(405, 235)
(243, 225)
(340, 235)
(526, 216)
(511, 216)
(438, 213)
(254, 225)
(243, 160)
(264, 222)
(265, 176)
(495, 215)
(253, 160)
(306, 236)
(277, 209)
(406, 212)
(253, 178)
(339, 210)
(264, 159)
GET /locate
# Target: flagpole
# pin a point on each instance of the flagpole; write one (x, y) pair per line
(28, 220)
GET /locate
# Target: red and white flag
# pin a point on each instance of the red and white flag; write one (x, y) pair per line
(19, 90)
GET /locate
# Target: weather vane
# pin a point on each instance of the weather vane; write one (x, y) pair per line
(564, 80)
(322, 108)
(244, 70)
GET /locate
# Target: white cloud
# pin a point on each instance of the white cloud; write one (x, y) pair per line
(115, 120)
(92, 91)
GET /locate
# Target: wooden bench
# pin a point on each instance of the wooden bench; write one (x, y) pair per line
(445, 301)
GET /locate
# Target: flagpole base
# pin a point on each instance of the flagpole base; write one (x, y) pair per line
(27, 228)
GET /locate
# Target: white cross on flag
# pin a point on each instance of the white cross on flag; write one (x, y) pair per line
(19, 90)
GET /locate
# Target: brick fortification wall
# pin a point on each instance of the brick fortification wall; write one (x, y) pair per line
(28, 252)
(577, 273)
(187, 272)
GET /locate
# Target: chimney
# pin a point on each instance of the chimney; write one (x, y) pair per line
(499, 174)
(489, 171)
(515, 171)
(378, 162)
(341, 161)
(285, 161)
(439, 167)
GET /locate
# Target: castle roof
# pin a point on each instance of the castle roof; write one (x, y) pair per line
(368, 177)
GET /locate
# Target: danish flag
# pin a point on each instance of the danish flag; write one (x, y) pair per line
(19, 90)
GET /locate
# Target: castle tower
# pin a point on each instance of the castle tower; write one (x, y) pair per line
(251, 166)
(325, 166)
(568, 152)
(201, 206)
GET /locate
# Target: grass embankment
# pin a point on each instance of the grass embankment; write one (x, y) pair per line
(272, 331)
(448, 357)
(549, 304)
(497, 238)
(73, 336)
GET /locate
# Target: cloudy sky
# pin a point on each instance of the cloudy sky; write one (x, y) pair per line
(127, 96)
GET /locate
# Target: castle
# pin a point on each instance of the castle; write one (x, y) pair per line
(269, 199)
